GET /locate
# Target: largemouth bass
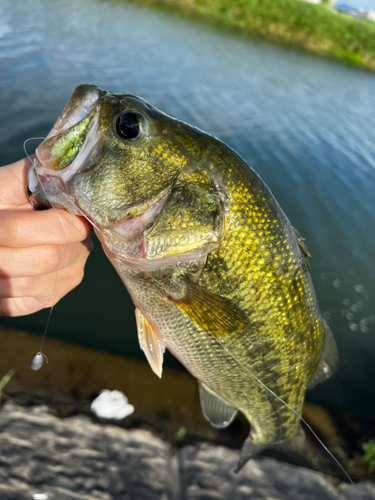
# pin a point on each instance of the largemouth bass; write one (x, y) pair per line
(217, 273)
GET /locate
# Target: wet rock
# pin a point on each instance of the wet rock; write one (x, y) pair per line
(206, 474)
(77, 459)
(364, 491)
(74, 458)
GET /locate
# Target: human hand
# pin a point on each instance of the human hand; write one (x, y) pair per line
(42, 253)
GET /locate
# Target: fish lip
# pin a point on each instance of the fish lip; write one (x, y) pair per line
(83, 156)
(70, 118)
(45, 186)
(37, 203)
(41, 188)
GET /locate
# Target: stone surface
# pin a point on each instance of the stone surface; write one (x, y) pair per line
(206, 474)
(363, 491)
(77, 459)
(74, 458)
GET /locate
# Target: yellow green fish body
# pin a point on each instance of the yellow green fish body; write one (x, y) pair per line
(216, 271)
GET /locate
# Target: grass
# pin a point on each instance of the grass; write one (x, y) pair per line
(369, 450)
(313, 27)
(5, 380)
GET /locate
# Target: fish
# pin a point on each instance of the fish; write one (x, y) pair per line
(217, 273)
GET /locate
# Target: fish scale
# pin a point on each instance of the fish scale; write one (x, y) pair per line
(205, 356)
(216, 271)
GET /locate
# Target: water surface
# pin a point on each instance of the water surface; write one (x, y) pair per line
(305, 124)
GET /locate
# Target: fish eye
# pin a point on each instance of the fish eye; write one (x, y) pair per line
(130, 125)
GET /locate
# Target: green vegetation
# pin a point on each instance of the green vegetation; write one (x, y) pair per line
(181, 433)
(5, 380)
(369, 449)
(313, 27)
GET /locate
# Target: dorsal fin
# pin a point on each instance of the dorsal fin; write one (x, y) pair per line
(150, 342)
(215, 409)
(303, 248)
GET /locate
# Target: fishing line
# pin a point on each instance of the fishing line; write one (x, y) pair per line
(261, 383)
(28, 140)
(159, 285)
(274, 395)
(281, 400)
(295, 413)
(37, 360)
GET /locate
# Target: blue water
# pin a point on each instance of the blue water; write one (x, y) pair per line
(307, 126)
(359, 4)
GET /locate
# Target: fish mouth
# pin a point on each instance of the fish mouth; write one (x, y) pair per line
(42, 188)
(68, 149)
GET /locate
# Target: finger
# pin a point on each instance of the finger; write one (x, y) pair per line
(21, 306)
(28, 229)
(34, 261)
(13, 182)
(46, 286)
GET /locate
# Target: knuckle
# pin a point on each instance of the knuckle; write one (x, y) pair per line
(82, 227)
(76, 226)
(53, 257)
(25, 285)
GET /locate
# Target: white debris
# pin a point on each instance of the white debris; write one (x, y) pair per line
(40, 496)
(111, 405)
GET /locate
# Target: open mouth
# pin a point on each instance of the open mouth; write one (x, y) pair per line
(63, 155)
(67, 149)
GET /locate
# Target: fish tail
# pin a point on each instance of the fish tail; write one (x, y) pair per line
(295, 444)
(249, 449)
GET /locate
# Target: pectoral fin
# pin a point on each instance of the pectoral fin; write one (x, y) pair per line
(211, 312)
(150, 343)
(215, 409)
